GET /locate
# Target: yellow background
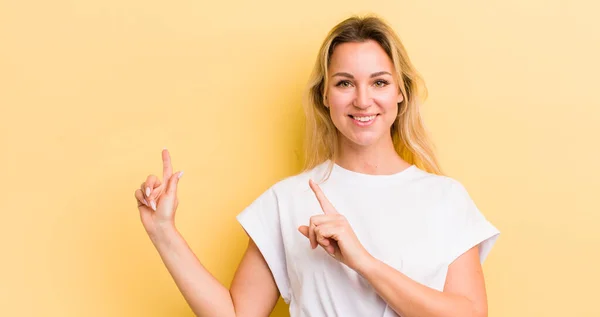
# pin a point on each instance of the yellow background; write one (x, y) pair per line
(91, 91)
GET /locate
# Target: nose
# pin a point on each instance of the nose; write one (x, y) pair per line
(362, 99)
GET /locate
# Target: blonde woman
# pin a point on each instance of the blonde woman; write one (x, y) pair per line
(370, 228)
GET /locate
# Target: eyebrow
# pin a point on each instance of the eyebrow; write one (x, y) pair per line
(343, 74)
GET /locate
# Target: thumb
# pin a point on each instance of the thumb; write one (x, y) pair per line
(172, 185)
(303, 230)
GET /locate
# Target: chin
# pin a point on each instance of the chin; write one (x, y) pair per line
(363, 140)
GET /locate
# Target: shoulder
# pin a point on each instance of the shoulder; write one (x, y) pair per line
(449, 196)
(442, 185)
(454, 204)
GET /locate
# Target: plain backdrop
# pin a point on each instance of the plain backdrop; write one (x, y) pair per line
(91, 91)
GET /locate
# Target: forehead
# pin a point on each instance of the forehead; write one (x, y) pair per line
(360, 57)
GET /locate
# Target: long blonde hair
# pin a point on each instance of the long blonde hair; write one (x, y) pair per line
(408, 131)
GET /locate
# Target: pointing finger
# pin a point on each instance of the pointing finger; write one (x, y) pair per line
(323, 201)
(167, 167)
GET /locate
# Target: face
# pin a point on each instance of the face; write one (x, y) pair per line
(362, 93)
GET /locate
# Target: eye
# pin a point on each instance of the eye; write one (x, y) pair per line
(343, 83)
(381, 83)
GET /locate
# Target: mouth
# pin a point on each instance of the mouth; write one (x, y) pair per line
(363, 120)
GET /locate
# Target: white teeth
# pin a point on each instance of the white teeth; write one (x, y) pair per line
(364, 119)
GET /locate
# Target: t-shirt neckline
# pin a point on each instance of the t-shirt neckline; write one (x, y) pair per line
(352, 176)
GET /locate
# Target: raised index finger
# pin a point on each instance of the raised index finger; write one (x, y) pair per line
(167, 168)
(323, 201)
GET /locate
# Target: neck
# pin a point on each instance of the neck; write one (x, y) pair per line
(379, 158)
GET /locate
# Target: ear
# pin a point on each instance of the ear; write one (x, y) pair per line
(400, 97)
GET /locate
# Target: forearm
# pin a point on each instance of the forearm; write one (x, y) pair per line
(410, 298)
(206, 296)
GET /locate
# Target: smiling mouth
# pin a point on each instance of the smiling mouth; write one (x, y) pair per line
(363, 118)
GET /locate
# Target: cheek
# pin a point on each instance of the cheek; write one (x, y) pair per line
(388, 100)
(389, 104)
(339, 99)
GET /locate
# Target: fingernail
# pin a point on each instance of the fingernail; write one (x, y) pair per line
(164, 148)
(145, 202)
(180, 174)
(147, 191)
(153, 204)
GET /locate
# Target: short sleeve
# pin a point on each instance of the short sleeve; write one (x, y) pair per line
(260, 220)
(467, 226)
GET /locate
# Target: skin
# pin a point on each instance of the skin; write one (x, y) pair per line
(361, 81)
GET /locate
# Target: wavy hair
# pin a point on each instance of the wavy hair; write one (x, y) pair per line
(408, 131)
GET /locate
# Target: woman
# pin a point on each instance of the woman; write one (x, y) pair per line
(384, 234)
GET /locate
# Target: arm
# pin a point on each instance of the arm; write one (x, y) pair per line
(253, 291)
(253, 288)
(464, 291)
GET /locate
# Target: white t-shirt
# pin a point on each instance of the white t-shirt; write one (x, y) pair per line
(414, 221)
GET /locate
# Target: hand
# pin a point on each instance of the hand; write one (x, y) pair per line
(334, 234)
(157, 202)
